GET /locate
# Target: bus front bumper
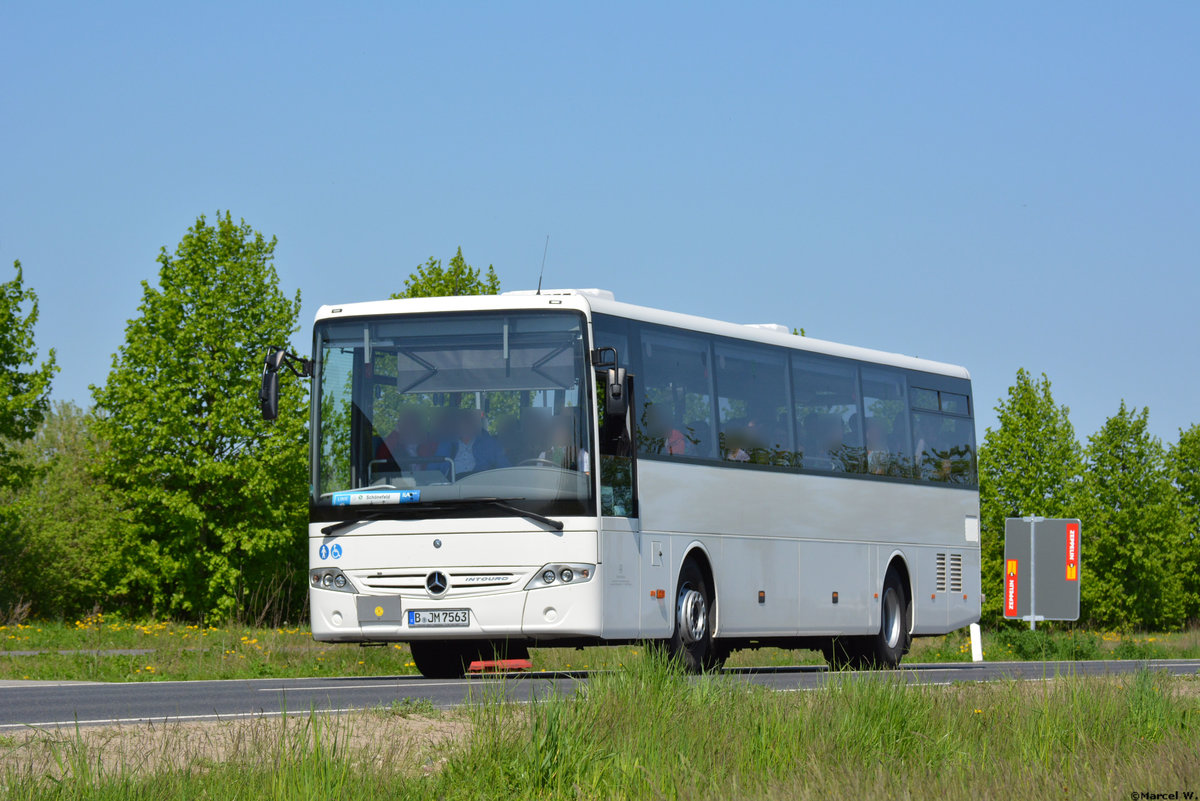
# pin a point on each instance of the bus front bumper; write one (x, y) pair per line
(542, 613)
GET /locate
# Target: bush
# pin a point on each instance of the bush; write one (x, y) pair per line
(1139, 649)
(1044, 644)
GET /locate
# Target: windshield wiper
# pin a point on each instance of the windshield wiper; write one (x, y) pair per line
(450, 503)
(329, 531)
(499, 503)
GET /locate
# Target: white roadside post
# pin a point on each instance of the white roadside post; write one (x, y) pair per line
(976, 643)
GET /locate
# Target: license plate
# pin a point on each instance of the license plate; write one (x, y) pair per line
(418, 618)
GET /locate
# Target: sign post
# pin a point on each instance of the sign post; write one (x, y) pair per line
(1048, 593)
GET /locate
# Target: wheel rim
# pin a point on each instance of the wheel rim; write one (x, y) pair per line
(691, 614)
(891, 617)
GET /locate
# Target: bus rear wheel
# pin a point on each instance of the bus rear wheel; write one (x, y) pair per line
(843, 653)
(692, 643)
(886, 648)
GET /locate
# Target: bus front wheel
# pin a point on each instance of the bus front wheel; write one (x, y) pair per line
(692, 643)
(443, 660)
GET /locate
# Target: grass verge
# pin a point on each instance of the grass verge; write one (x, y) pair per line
(647, 732)
(98, 649)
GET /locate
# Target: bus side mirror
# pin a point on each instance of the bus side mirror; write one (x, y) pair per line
(616, 401)
(268, 395)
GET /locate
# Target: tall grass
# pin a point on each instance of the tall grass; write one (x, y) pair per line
(648, 732)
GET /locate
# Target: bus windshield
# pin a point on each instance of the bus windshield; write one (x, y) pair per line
(426, 413)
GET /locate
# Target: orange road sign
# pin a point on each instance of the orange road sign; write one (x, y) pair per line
(1072, 552)
(1010, 588)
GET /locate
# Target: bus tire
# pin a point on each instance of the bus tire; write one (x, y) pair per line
(843, 653)
(503, 649)
(721, 651)
(691, 645)
(886, 648)
(443, 660)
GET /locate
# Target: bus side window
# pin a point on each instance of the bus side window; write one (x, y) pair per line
(676, 413)
(753, 405)
(885, 404)
(945, 442)
(826, 414)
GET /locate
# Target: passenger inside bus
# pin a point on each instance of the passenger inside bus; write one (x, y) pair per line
(662, 436)
(510, 437)
(535, 433)
(736, 442)
(404, 441)
(474, 448)
(750, 441)
(445, 429)
(563, 450)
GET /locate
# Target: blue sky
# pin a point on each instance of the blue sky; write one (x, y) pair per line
(997, 186)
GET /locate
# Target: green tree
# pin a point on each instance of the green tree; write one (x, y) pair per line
(1134, 550)
(1184, 459)
(66, 543)
(1184, 464)
(431, 280)
(216, 497)
(1029, 465)
(24, 384)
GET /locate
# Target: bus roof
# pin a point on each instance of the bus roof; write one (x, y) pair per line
(604, 302)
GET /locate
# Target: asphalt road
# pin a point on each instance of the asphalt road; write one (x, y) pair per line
(67, 704)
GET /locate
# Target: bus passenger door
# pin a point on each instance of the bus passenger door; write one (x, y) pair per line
(620, 533)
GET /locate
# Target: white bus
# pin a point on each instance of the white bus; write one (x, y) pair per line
(491, 473)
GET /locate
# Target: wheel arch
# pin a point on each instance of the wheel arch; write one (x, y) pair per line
(898, 562)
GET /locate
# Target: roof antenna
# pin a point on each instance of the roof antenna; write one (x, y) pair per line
(543, 270)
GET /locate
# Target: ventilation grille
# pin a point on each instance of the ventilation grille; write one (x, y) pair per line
(405, 581)
(956, 572)
(941, 572)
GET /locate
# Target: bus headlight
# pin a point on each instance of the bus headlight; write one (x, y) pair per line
(552, 574)
(330, 578)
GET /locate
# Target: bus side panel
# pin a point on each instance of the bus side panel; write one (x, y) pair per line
(661, 557)
(800, 538)
(749, 566)
(844, 569)
(621, 573)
